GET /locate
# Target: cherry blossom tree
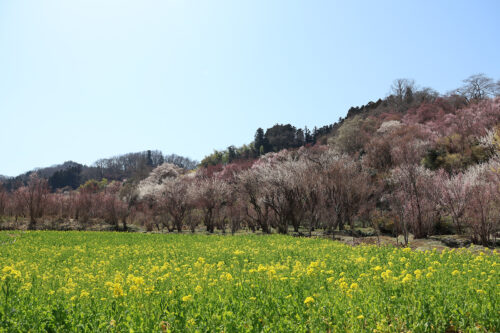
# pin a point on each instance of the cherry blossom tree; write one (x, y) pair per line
(33, 197)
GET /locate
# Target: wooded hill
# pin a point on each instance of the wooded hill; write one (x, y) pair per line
(131, 166)
(414, 162)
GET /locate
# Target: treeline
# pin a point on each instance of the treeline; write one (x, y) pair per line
(431, 169)
(274, 139)
(404, 94)
(390, 180)
(132, 167)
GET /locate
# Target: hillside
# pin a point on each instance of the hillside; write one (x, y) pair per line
(413, 165)
(131, 166)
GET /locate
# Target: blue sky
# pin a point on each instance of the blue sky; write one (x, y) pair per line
(86, 79)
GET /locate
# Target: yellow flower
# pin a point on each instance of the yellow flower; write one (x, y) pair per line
(10, 271)
(198, 289)
(187, 298)
(84, 294)
(407, 278)
(360, 317)
(226, 276)
(455, 272)
(191, 322)
(26, 286)
(360, 260)
(117, 290)
(386, 275)
(309, 300)
(354, 286)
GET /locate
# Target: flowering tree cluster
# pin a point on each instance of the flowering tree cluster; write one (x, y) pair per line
(412, 172)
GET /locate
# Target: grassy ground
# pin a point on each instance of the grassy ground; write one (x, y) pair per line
(101, 281)
(437, 242)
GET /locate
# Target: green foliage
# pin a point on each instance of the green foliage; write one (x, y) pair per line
(454, 153)
(354, 133)
(93, 185)
(149, 283)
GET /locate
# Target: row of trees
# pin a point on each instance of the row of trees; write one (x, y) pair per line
(131, 166)
(274, 139)
(308, 188)
(418, 171)
(321, 188)
(93, 200)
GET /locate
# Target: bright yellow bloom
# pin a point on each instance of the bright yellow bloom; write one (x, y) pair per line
(187, 298)
(117, 290)
(407, 278)
(309, 300)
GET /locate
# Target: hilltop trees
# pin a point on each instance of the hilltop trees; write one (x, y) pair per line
(478, 87)
(261, 143)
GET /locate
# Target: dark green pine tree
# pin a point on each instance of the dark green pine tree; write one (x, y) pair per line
(299, 138)
(315, 135)
(260, 142)
(149, 160)
(308, 136)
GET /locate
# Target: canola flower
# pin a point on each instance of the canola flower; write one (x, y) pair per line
(148, 282)
(309, 300)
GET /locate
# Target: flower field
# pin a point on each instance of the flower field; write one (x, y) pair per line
(83, 281)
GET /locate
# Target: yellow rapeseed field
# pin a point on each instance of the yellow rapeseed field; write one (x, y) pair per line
(84, 281)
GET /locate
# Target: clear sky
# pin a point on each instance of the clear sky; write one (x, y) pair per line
(87, 79)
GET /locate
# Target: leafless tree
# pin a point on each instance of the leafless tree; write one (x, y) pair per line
(175, 200)
(252, 189)
(3, 199)
(413, 194)
(478, 87)
(210, 195)
(34, 196)
(401, 93)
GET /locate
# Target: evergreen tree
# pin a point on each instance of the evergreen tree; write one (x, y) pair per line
(307, 136)
(149, 160)
(299, 138)
(260, 141)
(231, 154)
